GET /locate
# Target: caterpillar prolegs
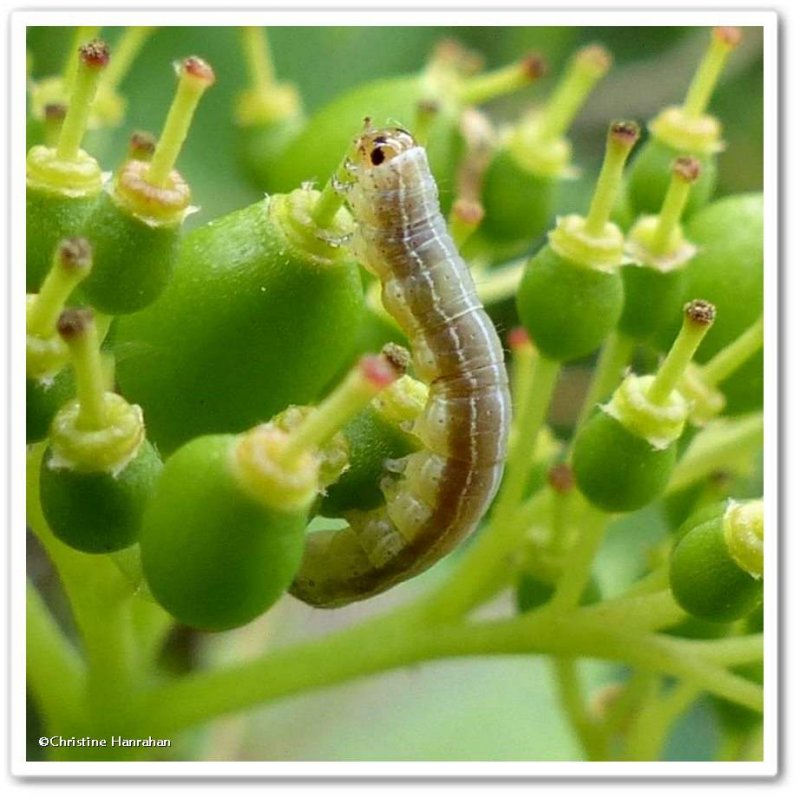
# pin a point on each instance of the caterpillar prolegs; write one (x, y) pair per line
(444, 489)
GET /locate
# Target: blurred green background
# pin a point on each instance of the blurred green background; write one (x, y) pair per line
(477, 709)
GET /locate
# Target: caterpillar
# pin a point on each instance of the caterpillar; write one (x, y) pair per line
(435, 497)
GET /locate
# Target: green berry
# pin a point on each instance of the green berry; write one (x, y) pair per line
(135, 226)
(99, 470)
(683, 130)
(63, 182)
(571, 294)
(213, 555)
(245, 327)
(624, 455)
(716, 567)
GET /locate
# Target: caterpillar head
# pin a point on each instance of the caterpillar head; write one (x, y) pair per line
(375, 147)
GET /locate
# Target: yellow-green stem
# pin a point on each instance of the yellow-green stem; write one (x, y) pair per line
(734, 355)
(125, 52)
(83, 34)
(621, 138)
(324, 421)
(73, 129)
(45, 309)
(561, 108)
(679, 356)
(614, 358)
(258, 58)
(176, 127)
(705, 78)
(570, 690)
(90, 383)
(669, 216)
(505, 80)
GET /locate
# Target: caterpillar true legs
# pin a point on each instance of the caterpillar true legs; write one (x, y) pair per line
(445, 488)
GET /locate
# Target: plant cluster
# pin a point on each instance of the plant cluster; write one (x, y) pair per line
(196, 398)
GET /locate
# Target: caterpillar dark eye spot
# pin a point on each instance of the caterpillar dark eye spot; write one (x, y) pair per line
(377, 156)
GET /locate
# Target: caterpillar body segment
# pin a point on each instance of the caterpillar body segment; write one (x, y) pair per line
(443, 490)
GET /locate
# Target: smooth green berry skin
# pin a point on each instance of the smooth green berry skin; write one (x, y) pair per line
(371, 441)
(568, 309)
(43, 399)
(133, 260)
(616, 470)
(260, 148)
(728, 270)
(705, 579)
(649, 176)
(95, 511)
(519, 208)
(532, 592)
(213, 556)
(651, 298)
(50, 217)
(317, 151)
(250, 324)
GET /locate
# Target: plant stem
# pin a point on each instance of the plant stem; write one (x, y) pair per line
(576, 576)
(82, 35)
(125, 52)
(715, 447)
(588, 731)
(707, 74)
(647, 736)
(258, 58)
(505, 80)
(404, 637)
(614, 358)
(669, 216)
(55, 672)
(735, 354)
(643, 613)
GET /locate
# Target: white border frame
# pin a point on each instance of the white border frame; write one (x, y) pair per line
(416, 17)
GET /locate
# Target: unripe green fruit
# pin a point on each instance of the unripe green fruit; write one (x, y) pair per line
(212, 555)
(133, 257)
(371, 441)
(257, 317)
(260, 148)
(532, 592)
(662, 293)
(705, 579)
(317, 151)
(617, 470)
(519, 208)
(43, 398)
(728, 270)
(51, 217)
(567, 308)
(98, 511)
(649, 176)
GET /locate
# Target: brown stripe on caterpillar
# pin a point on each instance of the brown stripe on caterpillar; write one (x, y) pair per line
(442, 491)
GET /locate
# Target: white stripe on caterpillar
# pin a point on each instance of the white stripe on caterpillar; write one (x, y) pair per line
(442, 491)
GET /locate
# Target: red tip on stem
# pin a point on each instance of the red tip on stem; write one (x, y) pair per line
(74, 322)
(687, 168)
(700, 312)
(625, 131)
(730, 36)
(518, 338)
(95, 54)
(54, 112)
(468, 211)
(198, 68)
(75, 253)
(379, 370)
(560, 478)
(534, 66)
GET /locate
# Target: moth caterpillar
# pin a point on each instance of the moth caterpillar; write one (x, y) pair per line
(437, 495)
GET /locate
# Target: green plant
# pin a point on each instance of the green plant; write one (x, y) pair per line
(231, 367)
